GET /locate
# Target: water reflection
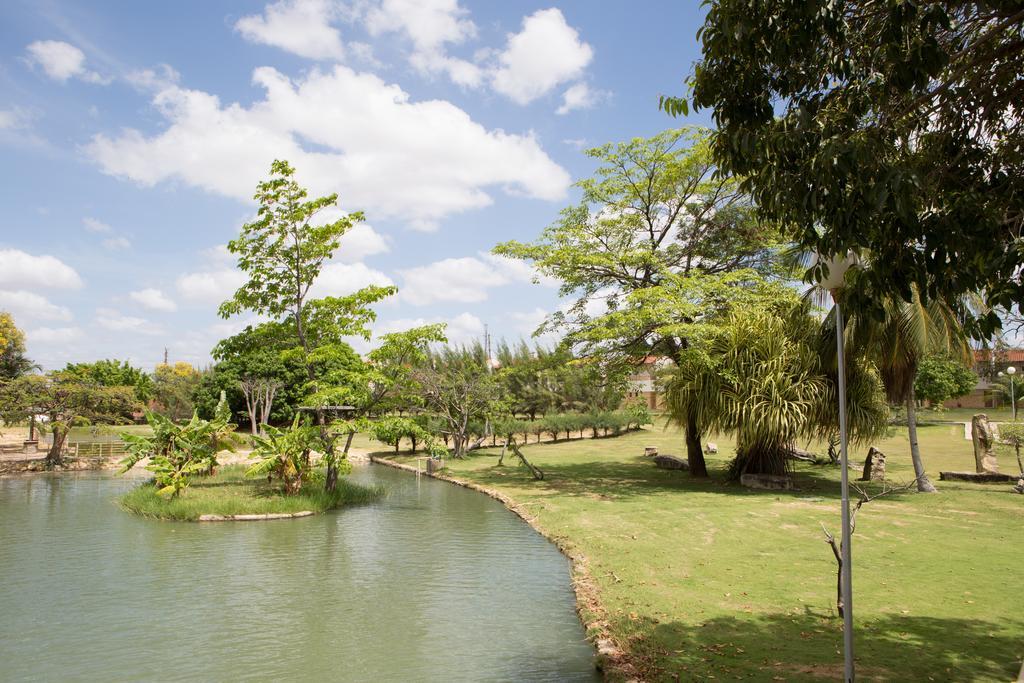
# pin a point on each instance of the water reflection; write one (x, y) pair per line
(432, 583)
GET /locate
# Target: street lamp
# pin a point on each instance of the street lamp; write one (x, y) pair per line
(837, 267)
(1011, 371)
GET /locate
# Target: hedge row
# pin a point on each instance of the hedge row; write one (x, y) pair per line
(570, 425)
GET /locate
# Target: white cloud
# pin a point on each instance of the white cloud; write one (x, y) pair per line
(31, 306)
(153, 299)
(545, 54)
(114, 243)
(118, 322)
(430, 25)
(388, 155)
(580, 96)
(153, 80)
(93, 225)
(13, 119)
(54, 335)
(302, 27)
(527, 322)
(453, 279)
(515, 270)
(361, 241)
(464, 279)
(460, 329)
(61, 61)
(21, 270)
(210, 286)
(577, 143)
(340, 279)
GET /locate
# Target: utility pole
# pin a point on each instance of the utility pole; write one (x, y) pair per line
(487, 349)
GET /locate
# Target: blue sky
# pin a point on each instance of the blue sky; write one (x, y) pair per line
(133, 135)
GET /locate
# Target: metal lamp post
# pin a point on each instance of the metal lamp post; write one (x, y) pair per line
(837, 267)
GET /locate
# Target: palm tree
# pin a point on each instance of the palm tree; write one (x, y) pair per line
(767, 376)
(897, 341)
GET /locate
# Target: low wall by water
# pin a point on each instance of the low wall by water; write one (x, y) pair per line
(27, 465)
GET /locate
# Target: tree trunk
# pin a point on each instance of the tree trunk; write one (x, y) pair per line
(923, 484)
(694, 453)
(54, 457)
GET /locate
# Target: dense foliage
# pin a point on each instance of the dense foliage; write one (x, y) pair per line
(767, 377)
(174, 387)
(880, 125)
(13, 362)
(176, 452)
(282, 253)
(64, 401)
(114, 373)
(941, 379)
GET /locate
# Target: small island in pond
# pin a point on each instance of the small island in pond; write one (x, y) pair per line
(229, 492)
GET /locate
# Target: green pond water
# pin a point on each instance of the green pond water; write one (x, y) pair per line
(432, 583)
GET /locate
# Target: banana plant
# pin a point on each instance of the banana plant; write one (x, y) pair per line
(176, 452)
(287, 454)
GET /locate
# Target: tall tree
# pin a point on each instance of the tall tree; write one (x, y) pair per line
(891, 126)
(656, 217)
(458, 387)
(13, 362)
(283, 252)
(767, 374)
(66, 401)
(174, 387)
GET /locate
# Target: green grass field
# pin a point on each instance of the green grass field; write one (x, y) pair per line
(706, 579)
(229, 492)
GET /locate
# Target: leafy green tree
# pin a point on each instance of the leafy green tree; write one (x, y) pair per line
(282, 253)
(390, 375)
(525, 376)
(66, 402)
(114, 373)
(174, 387)
(891, 127)
(655, 244)
(940, 379)
(459, 388)
(264, 354)
(13, 362)
(767, 376)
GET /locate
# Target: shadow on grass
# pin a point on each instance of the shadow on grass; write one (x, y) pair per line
(809, 647)
(637, 476)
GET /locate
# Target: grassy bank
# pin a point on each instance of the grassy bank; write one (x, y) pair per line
(229, 492)
(703, 579)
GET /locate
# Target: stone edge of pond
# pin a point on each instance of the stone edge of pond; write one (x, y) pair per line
(611, 659)
(255, 518)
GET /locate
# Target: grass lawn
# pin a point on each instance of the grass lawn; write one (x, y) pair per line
(229, 492)
(705, 579)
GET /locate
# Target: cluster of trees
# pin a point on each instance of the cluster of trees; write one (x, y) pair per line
(670, 254)
(430, 432)
(104, 392)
